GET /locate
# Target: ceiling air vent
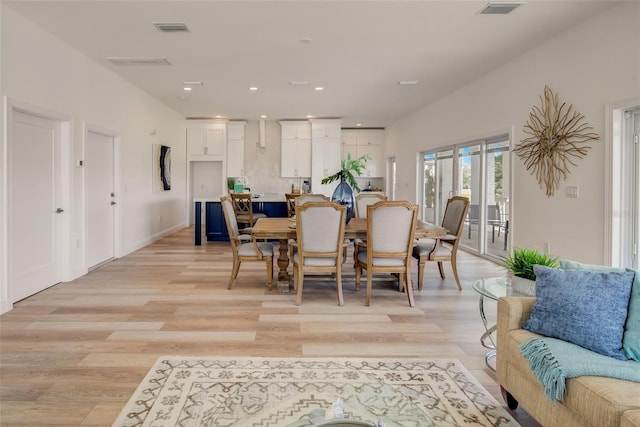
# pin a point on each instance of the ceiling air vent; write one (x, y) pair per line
(171, 27)
(138, 60)
(499, 8)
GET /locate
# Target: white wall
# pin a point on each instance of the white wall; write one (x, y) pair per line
(40, 70)
(589, 66)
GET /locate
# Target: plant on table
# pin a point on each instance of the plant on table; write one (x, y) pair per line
(349, 168)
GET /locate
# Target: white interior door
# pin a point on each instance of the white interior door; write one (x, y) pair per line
(99, 198)
(34, 214)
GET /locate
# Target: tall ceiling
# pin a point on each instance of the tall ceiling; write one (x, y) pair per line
(357, 51)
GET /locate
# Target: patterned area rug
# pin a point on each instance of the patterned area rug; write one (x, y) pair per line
(301, 392)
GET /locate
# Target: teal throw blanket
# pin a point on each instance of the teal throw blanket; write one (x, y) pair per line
(553, 361)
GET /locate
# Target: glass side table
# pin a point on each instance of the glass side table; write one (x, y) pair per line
(492, 288)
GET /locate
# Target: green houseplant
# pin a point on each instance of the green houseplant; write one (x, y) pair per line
(521, 262)
(349, 168)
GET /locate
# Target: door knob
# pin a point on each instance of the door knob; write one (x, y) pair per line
(113, 203)
(59, 210)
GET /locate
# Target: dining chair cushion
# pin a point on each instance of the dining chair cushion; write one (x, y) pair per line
(380, 262)
(247, 249)
(316, 261)
(425, 249)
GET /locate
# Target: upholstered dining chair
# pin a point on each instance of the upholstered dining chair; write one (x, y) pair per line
(444, 248)
(243, 209)
(290, 198)
(245, 247)
(320, 236)
(390, 230)
(311, 197)
(365, 199)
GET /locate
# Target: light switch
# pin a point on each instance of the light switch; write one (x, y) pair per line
(572, 191)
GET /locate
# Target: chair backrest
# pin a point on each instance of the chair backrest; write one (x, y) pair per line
(230, 218)
(493, 214)
(474, 213)
(320, 228)
(310, 197)
(365, 199)
(390, 228)
(454, 215)
(290, 198)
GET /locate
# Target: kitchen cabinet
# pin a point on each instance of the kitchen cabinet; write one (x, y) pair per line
(206, 140)
(325, 153)
(295, 158)
(235, 148)
(366, 141)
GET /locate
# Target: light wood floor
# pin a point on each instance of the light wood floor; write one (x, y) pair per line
(73, 354)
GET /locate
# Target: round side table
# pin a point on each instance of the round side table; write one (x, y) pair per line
(492, 288)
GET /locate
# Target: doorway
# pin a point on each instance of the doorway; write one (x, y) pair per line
(37, 213)
(100, 197)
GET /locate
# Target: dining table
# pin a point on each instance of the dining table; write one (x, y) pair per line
(283, 229)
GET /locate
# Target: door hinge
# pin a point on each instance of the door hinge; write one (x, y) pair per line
(636, 138)
(635, 249)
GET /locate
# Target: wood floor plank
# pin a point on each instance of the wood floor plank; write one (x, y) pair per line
(73, 354)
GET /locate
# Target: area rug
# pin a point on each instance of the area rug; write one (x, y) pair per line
(301, 392)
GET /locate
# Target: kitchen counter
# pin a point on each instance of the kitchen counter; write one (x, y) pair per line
(268, 197)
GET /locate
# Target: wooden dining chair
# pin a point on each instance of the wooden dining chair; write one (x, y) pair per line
(290, 199)
(243, 209)
(311, 197)
(446, 247)
(244, 246)
(320, 235)
(390, 230)
(365, 199)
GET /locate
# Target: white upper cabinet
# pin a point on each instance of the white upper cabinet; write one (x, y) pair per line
(206, 140)
(326, 153)
(366, 141)
(295, 149)
(235, 148)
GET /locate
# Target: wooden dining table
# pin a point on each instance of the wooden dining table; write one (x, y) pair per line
(284, 229)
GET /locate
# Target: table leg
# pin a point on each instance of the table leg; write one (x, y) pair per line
(487, 335)
(283, 264)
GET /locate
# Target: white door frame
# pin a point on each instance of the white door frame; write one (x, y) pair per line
(63, 243)
(90, 127)
(614, 204)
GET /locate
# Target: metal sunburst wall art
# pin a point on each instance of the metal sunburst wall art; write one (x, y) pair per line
(557, 136)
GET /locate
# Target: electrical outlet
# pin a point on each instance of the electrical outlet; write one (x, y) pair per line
(572, 191)
(547, 247)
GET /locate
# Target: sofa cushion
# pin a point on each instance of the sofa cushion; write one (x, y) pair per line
(631, 337)
(587, 308)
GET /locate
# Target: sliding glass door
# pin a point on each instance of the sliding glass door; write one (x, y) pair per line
(478, 170)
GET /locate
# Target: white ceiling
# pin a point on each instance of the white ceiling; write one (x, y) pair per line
(358, 52)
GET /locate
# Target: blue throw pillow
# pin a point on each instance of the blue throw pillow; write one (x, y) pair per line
(587, 308)
(631, 337)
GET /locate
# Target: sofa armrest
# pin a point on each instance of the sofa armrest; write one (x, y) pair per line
(513, 312)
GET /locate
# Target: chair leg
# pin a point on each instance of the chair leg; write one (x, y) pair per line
(269, 272)
(401, 282)
(234, 272)
(300, 280)
(367, 300)
(421, 266)
(409, 286)
(358, 277)
(339, 286)
(454, 267)
(441, 268)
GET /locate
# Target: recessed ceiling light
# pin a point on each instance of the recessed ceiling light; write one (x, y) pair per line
(407, 82)
(298, 83)
(187, 88)
(319, 89)
(218, 117)
(263, 116)
(309, 116)
(253, 88)
(358, 124)
(499, 8)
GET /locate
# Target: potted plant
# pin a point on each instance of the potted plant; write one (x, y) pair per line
(343, 193)
(520, 265)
